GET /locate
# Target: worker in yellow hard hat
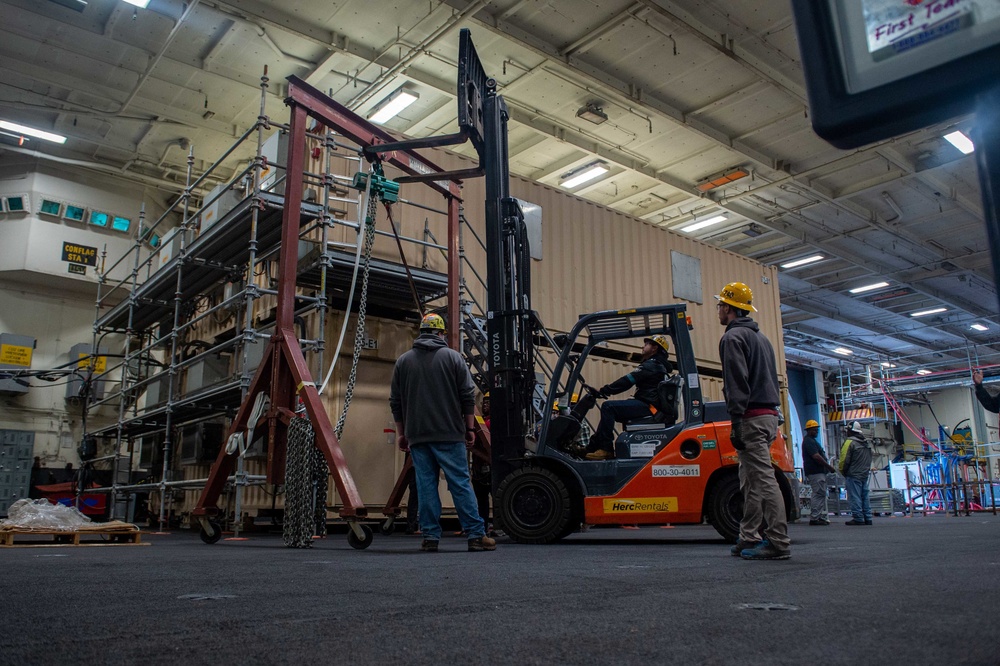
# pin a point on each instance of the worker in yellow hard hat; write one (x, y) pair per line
(646, 378)
(750, 386)
(815, 466)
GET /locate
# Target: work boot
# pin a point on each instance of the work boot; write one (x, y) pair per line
(429, 546)
(741, 546)
(819, 522)
(600, 454)
(766, 550)
(852, 521)
(482, 543)
(868, 522)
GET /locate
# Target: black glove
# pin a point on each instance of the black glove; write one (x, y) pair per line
(736, 435)
(605, 391)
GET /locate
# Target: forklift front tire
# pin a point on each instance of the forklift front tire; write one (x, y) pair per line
(535, 505)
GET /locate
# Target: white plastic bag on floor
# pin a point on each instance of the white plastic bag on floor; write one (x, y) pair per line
(40, 514)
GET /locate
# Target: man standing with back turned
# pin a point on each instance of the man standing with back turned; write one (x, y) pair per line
(750, 386)
(433, 402)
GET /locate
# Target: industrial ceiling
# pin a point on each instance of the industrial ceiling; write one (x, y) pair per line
(695, 108)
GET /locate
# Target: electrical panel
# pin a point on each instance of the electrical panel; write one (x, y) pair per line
(150, 452)
(200, 442)
(15, 354)
(170, 246)
(157, 391)
(17, 447)
(81, 353)
(218, 203)
(207, 372)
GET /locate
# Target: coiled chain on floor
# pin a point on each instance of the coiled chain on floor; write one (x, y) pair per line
(359, 334)
(299, 522)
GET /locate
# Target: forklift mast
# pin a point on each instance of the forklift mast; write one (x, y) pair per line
(509, 318)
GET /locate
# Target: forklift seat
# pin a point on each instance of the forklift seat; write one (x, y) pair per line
(669, 392)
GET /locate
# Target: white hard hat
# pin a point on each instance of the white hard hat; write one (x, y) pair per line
(856, 426)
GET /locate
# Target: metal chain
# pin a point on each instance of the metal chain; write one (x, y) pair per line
(297, 530)
(320, 480)
(359, 334)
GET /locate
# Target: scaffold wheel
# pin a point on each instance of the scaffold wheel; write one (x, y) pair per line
(388, 527)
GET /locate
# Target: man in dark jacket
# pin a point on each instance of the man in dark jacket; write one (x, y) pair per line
(646, 378)
(989, 401)
(433, 402)
(856, 466)
(750, 386)
(815, 467)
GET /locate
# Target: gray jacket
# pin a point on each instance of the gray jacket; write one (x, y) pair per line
(749, 372)
(432, 392)
(856, 457)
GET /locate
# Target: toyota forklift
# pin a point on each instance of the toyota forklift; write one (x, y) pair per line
(677, 466)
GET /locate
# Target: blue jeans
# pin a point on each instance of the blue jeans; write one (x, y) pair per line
(857, 496)
(429, 459)
(613, 411)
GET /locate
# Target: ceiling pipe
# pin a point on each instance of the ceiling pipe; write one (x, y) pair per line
(301, 62)
(894, 206)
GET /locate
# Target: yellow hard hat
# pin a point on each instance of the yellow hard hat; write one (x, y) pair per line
(486, 396)
(737, 295)
(811, 424)
(661, 340)
(432, 322)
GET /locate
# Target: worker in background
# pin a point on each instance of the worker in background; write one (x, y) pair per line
(815, 466)
(856, 465)
(990, 402)
(646, 378)
(482, 477)
(750, 386)
(433, 403)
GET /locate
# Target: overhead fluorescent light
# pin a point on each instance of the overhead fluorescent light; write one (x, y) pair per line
(923, 372)
(592, 113)
(31, 131)
(869, 287)
(584, 175)
(391, 106)
(802, 262)
(75, 5)
(980, 327)
(924, 313)
(843, 350)
(138, 3)
(886, 364)
(960, 141)
(704, 223)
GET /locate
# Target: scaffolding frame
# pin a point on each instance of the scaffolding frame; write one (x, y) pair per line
(284, 357)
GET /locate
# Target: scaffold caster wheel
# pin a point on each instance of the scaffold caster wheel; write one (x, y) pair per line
(387, 528)
(214, 535)
(359, 543)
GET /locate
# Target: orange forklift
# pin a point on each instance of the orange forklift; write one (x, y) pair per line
(676, 466)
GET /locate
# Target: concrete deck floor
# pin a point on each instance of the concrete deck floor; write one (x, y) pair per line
(919, 590)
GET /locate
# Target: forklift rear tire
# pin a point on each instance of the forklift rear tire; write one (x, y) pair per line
(725, 507)
(536, 506)
(214, 536)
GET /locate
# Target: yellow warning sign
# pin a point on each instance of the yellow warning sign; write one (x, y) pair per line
(15, 355)
(100, 363)
(647, 505)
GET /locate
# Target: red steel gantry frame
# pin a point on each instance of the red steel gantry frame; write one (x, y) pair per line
(283, 372)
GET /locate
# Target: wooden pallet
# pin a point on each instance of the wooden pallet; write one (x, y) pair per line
(113, 537)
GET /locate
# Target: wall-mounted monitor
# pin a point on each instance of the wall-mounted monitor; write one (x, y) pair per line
(74, 213)
(99, 219)
(50, 207)
(122, 224)
(876, 69)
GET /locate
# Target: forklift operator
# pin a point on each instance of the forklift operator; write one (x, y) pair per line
(646, 378)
